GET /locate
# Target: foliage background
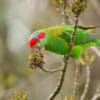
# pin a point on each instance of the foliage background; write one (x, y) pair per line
(18, 19)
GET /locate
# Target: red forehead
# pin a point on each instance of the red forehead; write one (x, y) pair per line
(34, 40)
(41, 35)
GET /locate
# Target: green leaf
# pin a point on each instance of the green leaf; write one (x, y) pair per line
(76, 51)
(72, 98)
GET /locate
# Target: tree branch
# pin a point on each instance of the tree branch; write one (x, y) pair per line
(66, 57)
(61, 80)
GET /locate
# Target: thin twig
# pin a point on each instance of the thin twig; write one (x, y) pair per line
(97, 94)
(88, 74)
(63, 14)
(97, 51)
(61, 80)
(76, 80)
(65, 17)
(50, 71)
(74, 30)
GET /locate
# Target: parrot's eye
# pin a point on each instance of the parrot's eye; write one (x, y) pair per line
(32, 42)
(41, 35)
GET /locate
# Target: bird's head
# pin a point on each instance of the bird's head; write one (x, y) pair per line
(35, 38)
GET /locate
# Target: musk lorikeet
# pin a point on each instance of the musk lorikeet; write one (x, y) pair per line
(57, 38)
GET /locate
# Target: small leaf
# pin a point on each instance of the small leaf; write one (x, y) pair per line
(92, 58)
(86, 55)
(57, 8)
(65, 98)
(81, 60)
(30, 57)
(72, 98)
(86, 58)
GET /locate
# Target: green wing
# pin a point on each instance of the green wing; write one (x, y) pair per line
(82, 40)
(82, 37)
(57, 45)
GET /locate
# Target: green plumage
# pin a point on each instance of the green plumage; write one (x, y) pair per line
(57, 40)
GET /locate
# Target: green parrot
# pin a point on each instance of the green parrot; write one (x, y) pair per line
(57, 39)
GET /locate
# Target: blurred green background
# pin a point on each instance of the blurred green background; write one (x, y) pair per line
(18, 19)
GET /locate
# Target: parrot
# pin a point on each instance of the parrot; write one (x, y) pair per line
(57, 39)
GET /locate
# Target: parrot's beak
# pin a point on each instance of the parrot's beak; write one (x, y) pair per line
(37, 46)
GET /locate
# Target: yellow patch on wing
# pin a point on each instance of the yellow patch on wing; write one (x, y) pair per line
(56, 30)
